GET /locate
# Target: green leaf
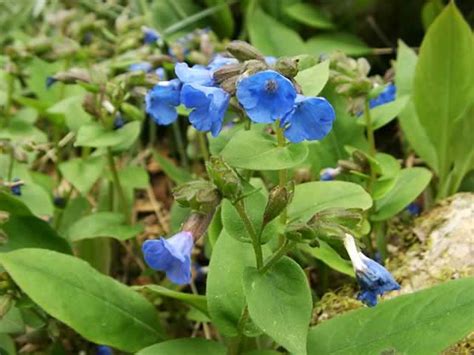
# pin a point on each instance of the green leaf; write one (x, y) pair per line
(413, 130)
(279, 302)
(31, 232)
(37, 199)
(185, 346)
(18, 131)
(330, 257)
(83, 173)
(12, 322)
(72, 110)
(309, 15)
(97, 252)
(338, 41)
(13, 205)
(312, 197)
(222, 20)
(103, 224)
(103, 310)
(425, 322)
(443, 83)
(96, 136)
(197, 301)
(175, 173)
(280, 41)
(7, 345)
(409, 184)
(225, 294)
(259, 151)
(383, 114)
(313, 79)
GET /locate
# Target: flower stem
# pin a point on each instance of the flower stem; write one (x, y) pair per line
(282, 174)
(371, 139)
(117, 184)
(180, 144)
(240, 206)
(203, 145)
(282, 250)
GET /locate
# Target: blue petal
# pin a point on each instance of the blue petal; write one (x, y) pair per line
(50, 81)
(142, 66)
(374, 280)
(161, 101)
(386, 96)
(209, 105)
(161, 73)
(172, 256)
(266, 96)
(311, 119)
(104, 350)
(195, 75)
(150, 36)
(219, 61)
(270, 60)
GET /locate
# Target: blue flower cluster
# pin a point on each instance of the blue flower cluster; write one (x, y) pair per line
(268, 96)
(172, 255)
(373, 278)
(195, 88)
(386, 96)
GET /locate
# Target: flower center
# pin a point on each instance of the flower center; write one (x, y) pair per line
(271, 86)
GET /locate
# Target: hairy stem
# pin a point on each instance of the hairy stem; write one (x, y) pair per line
(117, 184)
(240, 206)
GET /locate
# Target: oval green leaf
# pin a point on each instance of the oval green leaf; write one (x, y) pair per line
(185, 346)
(98, 307)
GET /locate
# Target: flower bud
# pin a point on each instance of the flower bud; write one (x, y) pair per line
(200, 195)
(300, 233)
(287, 66)
(197, 223)
(72, 76)
(229, 85)
(278, 198)
(225, 178)
(132, 112)
(254, 66)
(227, 71)
(244, 51)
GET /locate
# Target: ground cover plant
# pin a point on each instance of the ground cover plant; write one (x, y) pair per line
(225, 177)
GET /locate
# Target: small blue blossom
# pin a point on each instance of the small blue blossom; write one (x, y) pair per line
(209, 104)
(172, 256)
(386, 96)
(161, 73)
(219, 61)
(198, 74)
(266, 96)
(104, 350)
(119, 121)
(50, 80)
(310, 119)
(414, 209)
(270, 60)
(162, 100)
(373, 278)
(329, 174)
(15, 188)
(142, 66)
(150, 36)
(59, 201)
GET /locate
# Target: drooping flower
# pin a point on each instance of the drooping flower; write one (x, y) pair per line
(172, 256)
(310, 119)
(197, 74)
(266, 96)
(209, 105)
(15, 188)
(161, 101)
(141, 66)
(386, 96)
(373, 278)
(150, 36)
(329, 174)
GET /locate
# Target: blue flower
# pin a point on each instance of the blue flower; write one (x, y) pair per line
(161, 101)
(266, 96)
(161, 73)
(150, 36)
(198, 74)
(142, 66)
(310, 119)
(329, 174)
(209, 104)
(386, 96)
(373, 278)
(50, 81)
(172, 256)
(104, 350)
(15, 188)
(119, 122)
(219, 61)
(414, 209)
(270, 60)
